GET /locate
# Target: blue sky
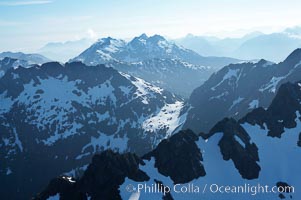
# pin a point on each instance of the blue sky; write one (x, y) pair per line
(29, 24)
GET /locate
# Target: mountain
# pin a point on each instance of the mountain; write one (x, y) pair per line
(256, 45)
(30, 58)
(7, 63)
(155, 60)
(13, 60)
(238, 88)
(101, 52)
(209, 46)
(54, 117)
(63, 51)
(256, 157)
(144, 48)
(273, 47)
(173, 75)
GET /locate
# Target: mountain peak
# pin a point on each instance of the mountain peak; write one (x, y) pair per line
(105, 40)
(143, 36)
(294, 57)
(157, 37)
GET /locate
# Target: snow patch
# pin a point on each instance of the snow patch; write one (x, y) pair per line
(56, 197)
(6, 102)
(235, 102)
(232, 73)
(126, 90)
(8, 171)
(144, 89)
(17, 140)
(167, 118)
(110, 142)
(271, 86)
(219, 96)
(254, 104)
(239, 141)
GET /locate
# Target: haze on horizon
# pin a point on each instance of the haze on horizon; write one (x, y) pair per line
(27, 25)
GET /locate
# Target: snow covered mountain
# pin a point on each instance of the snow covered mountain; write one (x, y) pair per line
(144, 48)
(173, 75)
(30, 58)
(53, 118)
(155, 60)
(256, 157)
(7, 63)
(238, 88)
(13, 60)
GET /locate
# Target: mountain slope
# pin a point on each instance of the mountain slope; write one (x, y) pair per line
(59, 116)
(242, 155)
(173, 75)
(237, 88)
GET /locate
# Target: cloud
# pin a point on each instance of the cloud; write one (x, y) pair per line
(24, 3)
(92, 34)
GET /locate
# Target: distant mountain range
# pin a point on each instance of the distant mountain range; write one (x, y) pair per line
(63, 51)
(239, 88)
(30, 58)
(13, 60)
(260, 151)
(8, 63)
(156, 60)
(144, 48)
(274, 47)
(54, 118)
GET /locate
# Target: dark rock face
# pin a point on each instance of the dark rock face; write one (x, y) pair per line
(299, 142)
(244, 154)
(61, 115)
(179, 157)
(167, 196)
(285, 190)
(281, 113)
(238, 88)
(116, 168)
(64, 186)
(101, 180)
